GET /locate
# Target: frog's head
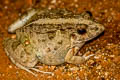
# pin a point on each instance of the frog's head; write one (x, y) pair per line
(85, 32)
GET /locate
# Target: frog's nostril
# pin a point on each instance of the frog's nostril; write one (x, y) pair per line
(81, 31)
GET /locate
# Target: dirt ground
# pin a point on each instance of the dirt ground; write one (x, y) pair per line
(104, 66)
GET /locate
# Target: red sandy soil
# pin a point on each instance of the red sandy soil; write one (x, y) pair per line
(104, 66)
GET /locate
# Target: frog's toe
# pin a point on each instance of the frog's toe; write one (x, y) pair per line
(37, 70)
(87, 57)
(25, 68)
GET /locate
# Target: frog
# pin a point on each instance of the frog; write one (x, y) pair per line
(51, 37)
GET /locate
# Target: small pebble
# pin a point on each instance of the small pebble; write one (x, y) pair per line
(27, 42)
(13, 36)
(74, 69)
(10, 66)
(112, 56)
(99, 67)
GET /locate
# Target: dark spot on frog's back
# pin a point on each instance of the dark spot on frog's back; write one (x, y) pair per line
(15, 44)
(51, 34)
(41, 40)
(60, 42)
(22, 54)
(55, 48)
(63, 31)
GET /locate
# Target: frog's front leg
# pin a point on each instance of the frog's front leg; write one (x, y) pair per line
(72, 58)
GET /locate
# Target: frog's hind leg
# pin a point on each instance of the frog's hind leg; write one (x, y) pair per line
(25, 68)
(19, 65)
(72, 58)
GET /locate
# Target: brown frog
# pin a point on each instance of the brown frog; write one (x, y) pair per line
(51, 37)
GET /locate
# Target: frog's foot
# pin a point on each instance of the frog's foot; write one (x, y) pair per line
(34, 69)
(71, 58)
(24, 68)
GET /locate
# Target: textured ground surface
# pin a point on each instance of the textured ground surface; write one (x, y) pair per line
(104, 66)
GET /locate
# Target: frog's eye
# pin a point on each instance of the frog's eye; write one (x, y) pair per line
(81, 29)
